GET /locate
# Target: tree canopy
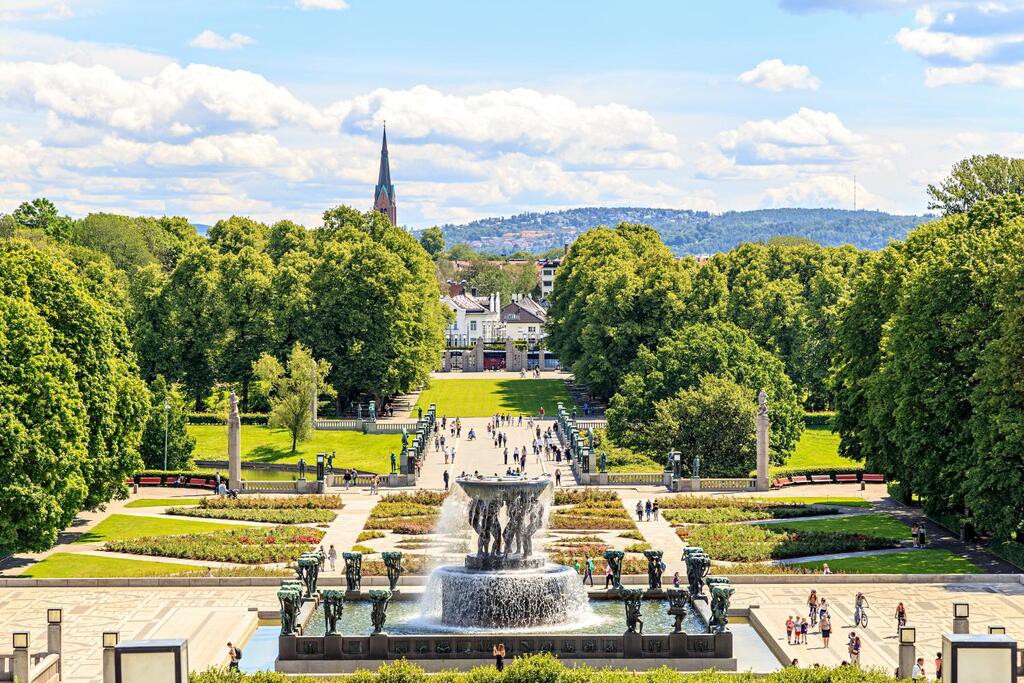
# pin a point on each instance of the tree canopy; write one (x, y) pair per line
(975, 179)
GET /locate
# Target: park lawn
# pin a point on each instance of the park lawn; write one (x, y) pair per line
(485, 397)
(79, 566)
(161, 502)
(820, 500)
(117, 527)
(365, 452)
(877, 525)
(929, 561)
(818, 447)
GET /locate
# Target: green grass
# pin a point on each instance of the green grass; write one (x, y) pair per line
(161, 502)
(909, 562)
(78, 566)
(818, 447)
(366, 452)
(820, 500)
(484, 397)
(116, 527)
(877, 525)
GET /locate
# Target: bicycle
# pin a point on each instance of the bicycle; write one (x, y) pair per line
(863, 620)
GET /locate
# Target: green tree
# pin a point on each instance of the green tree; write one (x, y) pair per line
(119, 237)
(232, 234)
(462, 252)
(245, 315)
(716, 420)
(975, 179)
(294, 390)
(167, 412)
(73, 407)
(432, 240)
(40, 214)
(284, 238)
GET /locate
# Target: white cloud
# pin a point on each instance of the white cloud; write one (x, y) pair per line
(210, 40)
(1005, 76)
(321, 4)
(35, 10)
(808, 136)
(924, 16)
(774, 75)
(938, 44)
(823, 191)
(18, 45)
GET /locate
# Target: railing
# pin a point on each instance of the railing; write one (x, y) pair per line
(338, 425)
(595, 423)
(636, 478)
(723, 484)
(269, 486)
(45, 669)
(390, 427)
(6, 667)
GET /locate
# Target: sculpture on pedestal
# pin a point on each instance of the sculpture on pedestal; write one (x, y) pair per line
(372, 411)
(602, 462)
(631, 598)
(234, 445)
(393, 463)
(308, 568)
(696, 467)
(290, 598)
(334, 605)
(379, 615)
(405, 439)
(698, 565)
(302, 468)
(614, 560)
(353, 570)
(359, 411)
(654, 568)
(393, 562)
(721, 593)
(678, 602)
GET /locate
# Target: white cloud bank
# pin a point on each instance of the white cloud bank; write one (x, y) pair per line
(775, 75)
(321, 4)
(211, 40)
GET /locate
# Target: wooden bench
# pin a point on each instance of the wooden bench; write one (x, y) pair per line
(873, 478)
(821, 478)
(846, 478)
(202, 483)
(782, 481)
(800, 479)
(151, 481)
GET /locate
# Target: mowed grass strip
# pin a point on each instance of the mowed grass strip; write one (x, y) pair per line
(80, 566)
(484, 397)
(365, 452)
(875, 525)
(118, 527)
(161, 502)
(928, 561)
(818, 447)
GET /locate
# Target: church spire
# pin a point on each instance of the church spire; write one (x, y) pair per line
(384, 194)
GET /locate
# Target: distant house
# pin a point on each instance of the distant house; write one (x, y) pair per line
(523, 319)
(547, 276)
(475, 317)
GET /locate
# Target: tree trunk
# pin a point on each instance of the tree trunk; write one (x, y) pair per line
(295, 436)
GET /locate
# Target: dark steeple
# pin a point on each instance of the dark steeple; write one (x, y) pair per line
(384, 194)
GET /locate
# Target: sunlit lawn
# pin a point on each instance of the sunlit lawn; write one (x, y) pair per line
(929, 561)
(365, 452)
(161, 502)
(135, 526)
(79, 566)
(483, 397)
(878, 525)
(818, 447)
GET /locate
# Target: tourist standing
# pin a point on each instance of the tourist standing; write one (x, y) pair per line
(917, 673)
(499, 656)
(676, 582)
(609, 577)
(790, 624)
(803, 630)
(826, 629)
(655, 510)
(938, 666)
(589, 572)
(914, 529)
(332, 556)
(446, 477)
(234, 654)
(647, 509)
(558, 477)
(855, 651)
(639, 511)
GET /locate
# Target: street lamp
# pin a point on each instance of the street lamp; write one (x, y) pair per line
(167, 416)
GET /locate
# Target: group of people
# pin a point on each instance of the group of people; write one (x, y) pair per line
(650, 509)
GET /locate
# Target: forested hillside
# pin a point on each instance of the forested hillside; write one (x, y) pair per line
(684, 231)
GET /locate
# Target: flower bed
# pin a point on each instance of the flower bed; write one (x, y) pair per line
(284, 516)
(318, 502)
(369, 536)
(411, 564)
(256, 545)
(403, 509)
(751, 543)
(567, 520)
(583, 495)
(402, 525)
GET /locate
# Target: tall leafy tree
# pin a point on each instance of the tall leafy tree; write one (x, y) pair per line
(41, 214)
(975, 179)
(293, 389)
(168, 419)
(432, 241)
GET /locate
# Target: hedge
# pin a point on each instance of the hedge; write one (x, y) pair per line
(1011, 551)
(168, 476)
(750, 543)
(896, 491)
(546, 668)
(822, 419)
(258, 419)
(808, 471)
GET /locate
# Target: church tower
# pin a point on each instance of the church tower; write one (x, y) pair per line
(384, 194)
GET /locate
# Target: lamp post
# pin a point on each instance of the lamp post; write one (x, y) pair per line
(110, 640)
(167, 418)
(961, 617)
(20, 660)
(908, 651)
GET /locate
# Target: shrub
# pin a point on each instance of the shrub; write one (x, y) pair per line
(413, 528)
(369, 536)
(364, 549)
(808, 471)
(271, 515)
(738, 568)
(403, 509)
(411, 564)
(435, 498)
(582, 495)
(897, 491)
(254, 571)
(751, 543)
(393, 523)
(326, 502)
(255, 545)
(822, 419)
(590, 523)
(637, 547)
(1011, 551)
(577, 539)
(259, 419)
(635, 535)
(721, 515)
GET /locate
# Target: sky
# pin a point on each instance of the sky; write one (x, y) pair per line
(274, 108)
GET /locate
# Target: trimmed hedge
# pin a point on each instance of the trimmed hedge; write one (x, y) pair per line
(171, 475)
(305, 502)
(546, 668)
(808, 471)
(751, 543)
(822, 419)
(257, 419)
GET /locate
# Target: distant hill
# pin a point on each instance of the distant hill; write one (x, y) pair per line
(684, 231)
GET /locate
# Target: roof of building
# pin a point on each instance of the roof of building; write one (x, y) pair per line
(525, 310)
(469, 304)
(384, 175)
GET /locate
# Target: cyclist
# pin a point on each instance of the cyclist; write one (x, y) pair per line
(901, 616)
(812, 607)
(859, 604)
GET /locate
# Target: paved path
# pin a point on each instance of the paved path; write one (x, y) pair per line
(658, 533)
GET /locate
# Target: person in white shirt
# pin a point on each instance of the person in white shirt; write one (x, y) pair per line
(917, 673)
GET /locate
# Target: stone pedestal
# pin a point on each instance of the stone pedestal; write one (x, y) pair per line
(234, 446)
(632, 645)
(602, 479)
(378, 646)
(762, 446)
(677, 644)
(108, 665)
(961, 625)
(20, 664)
(907, 657)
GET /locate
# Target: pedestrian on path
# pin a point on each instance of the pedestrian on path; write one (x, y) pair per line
(938, 666)
(812, 604)
(803, 630)
(647, 509)
(676, 581)
(446, 477)
(506, 455)
(655, 510)
(789, 627)
(558, 477)
(854, 647)
(499, 656)
(639, 511)
(234, 654)
(589, 572)
(917, 673)
(609, 577)
(332, 556)
(914, 529)
(826, 629)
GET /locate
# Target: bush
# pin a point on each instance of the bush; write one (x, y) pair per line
(256, 545)
(808, 471)
(950, 519)
(897, 491)
(369, 536)
(560, 520)
(394, 523)
(364, 549)
(583, 495)
(739, 568)
(259, 419)
(822, 419)
(577, 540)
(411, 564)
(326, 502)
(403, 509)
(171, 475)
(1011, 551)
(719, 515)
(269, 515)
(751, 543)
(635, 535)
(435, 498)
(637, 547)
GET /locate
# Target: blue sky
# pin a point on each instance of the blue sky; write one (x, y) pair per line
(273, 109)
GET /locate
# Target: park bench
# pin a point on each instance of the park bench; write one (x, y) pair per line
(873, 478)
(799, 479)
(782, 481)
(846, 478)
(196, 482)
(821, 478)
(151, 481)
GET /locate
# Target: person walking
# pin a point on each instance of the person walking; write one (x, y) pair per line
(826, 629)
(917, 673)
(506, 455)
(446, 477)
(855, 652)
(655, 510)
(647, 509)
(499, 656)
(332, 556)
(234, 654)
(558, 477)
(589, 572)
(803, 630)
(639, 511)
(938, 666)
(609, 577)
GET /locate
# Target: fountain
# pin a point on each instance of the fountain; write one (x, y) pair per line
(504, 585)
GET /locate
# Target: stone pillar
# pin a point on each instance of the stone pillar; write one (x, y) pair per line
(20, 662)
(908, 655)
(234, 446)
(314, 406)
(478, 355)
(762, 441)
(961, 625)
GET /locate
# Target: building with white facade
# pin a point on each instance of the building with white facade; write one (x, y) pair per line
(548, 267)
(523, 319)
(476, 317)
